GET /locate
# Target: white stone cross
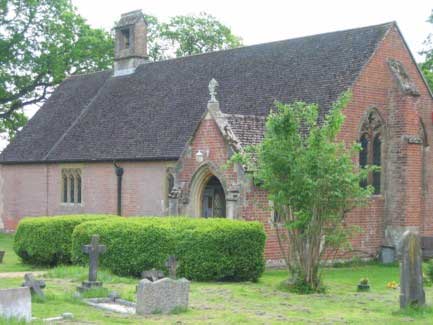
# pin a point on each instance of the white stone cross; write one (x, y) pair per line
(213, 84)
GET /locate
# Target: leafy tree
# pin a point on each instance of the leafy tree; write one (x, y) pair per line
(42, 42)
(312, 180)
(427, 65)
(198, 34)
(188, 35)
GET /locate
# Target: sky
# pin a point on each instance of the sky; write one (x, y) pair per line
(272, 20)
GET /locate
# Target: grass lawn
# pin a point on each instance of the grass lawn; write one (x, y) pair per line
(233, 303)
(11, 262)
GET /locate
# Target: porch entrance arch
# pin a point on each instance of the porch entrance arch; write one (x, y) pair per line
(208, 195)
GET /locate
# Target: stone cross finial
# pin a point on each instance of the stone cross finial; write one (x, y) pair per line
(94, 249)
(213, 84)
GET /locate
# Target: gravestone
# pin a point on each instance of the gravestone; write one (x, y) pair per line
(94, 250)
(411, 282)
(16, 303)
(162, 296)
(2, 254)
(152, 275)
(171, 265)
(35, 286)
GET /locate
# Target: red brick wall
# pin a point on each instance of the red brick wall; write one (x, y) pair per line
(35, 190)
(403, 162)
(253, 205)
(403, 201)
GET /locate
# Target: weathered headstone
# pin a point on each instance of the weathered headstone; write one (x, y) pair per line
(2, 254)
(162, 296)
(411, 282)
(35, 286)
(152, 275)
(16, 303)
(171, 265)
(94, 250)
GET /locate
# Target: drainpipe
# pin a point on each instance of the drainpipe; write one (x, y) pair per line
(119, 174)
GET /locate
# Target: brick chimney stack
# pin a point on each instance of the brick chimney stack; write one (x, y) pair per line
(130, 43)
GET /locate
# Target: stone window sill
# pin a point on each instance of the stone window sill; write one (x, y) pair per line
(72, 205)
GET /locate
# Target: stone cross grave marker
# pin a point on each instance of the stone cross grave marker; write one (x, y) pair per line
(35, 286)
(411, 282)
(152, 275)
(94, 250)
(171, 264)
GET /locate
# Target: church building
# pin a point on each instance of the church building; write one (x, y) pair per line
(153, 138)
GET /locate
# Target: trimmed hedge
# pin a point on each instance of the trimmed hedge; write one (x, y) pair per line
(47, 240)
(207, 249)
(131, 247)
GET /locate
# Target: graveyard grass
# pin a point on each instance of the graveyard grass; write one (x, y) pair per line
(233, 303)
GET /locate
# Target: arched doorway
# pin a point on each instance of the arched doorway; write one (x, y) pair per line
(213, 203)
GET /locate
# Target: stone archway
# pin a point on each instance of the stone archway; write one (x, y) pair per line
(213, 199)
(207, 193)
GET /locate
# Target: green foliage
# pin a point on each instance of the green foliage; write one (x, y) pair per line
(312, 180)
(429, 271)
(220, 249)
(188, 35)
(198, 34)
(42, 42)
(300, 286)
(95, 293)
(47, 240)
(427, 65)
(132, 247)
(207, 249)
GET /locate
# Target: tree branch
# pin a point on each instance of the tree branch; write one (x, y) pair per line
(36, 83)
(13, 108)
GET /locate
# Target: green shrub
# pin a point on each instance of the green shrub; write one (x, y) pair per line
(207, 249)
(221, 249)
(47, 240)
(132, 247)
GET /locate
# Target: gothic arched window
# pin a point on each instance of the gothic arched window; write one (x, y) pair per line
(371, 148)
(71, 186)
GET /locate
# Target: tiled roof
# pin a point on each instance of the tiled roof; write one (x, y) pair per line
(249, 129)
(151, 114)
